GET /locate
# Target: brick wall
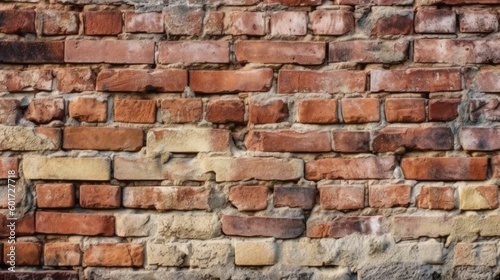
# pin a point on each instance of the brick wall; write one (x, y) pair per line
(246, 139)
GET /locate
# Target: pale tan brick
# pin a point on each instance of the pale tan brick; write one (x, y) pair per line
(66, 168)
(254, 253)
(478, 197)
(188, 140)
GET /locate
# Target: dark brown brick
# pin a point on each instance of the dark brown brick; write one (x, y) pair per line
(262, 226)
(17, 21)
(32, 52)
(299, 197)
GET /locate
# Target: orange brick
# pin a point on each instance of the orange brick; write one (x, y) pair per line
(360, 110)
(181, 110)
(135, 111)
(342, 197)
(55, 195)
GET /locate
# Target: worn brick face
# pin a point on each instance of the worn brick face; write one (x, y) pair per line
(135, 111)
(17, 21)
(102, 22)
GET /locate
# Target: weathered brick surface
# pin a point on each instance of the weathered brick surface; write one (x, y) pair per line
(135, 111)
(185, 139)
(230, 81)
(280, 52)
(262, 226)
(55, 195)
(445, 168)
(26, 80)
(166, 198)
(109, 51)
(88, 110)
(288, 141)
(102, 138)
(114, 255)
(74, 223)
(132, 80)
(347, 168)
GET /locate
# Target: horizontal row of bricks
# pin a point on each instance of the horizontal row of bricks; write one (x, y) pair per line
(389, 139)
(442, 168)
(255, 80)
(255, 198)
(255, 51)
(282, 23)
(190, 110)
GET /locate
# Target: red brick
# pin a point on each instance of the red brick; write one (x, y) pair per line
(288, 141)
(180, 20)
(59, 23)
(143, 22)
(75, 79)
(288, 23)
(25, 225)
(262, 226)
(45, 110)
(17, 21)
(390, 139)
(456, 51)
(55, 195)
(337, 227)
(100, 196)
(294, 197)
(335, 81)
(360, 110)
(245, 23)
(32, 52)
(26, 80)
(484, 109)
(342, 197)
(135, 111)
(75, 224)
(181, 110)
(445, 168)
(487, 80)
(138, 80)
(495, 166)
(351, 141)
(435, 21)
(226, 111)
(273, 111)
(102, 138)
(405, 110)
(9, 111)
(436, 197)
(295, 2)
(9, 163)
(166, 198)
(443, 109)
(416, 80)
(121, 254)
(318, 111)
(188, 52)
(386, 196)
(480, 20)
(369, 51)
(306, 53)
(213, 23)
(109, 51)
(396, 24)
(62, 254)
(229, 81)
(249, 198)
(350, 168)
(88, 110)
(331, 22)
(102, 22)
(27, 253)
(480, 138)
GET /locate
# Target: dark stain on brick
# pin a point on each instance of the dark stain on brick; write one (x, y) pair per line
(17, 22)
(32, 52)
(394, 25)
